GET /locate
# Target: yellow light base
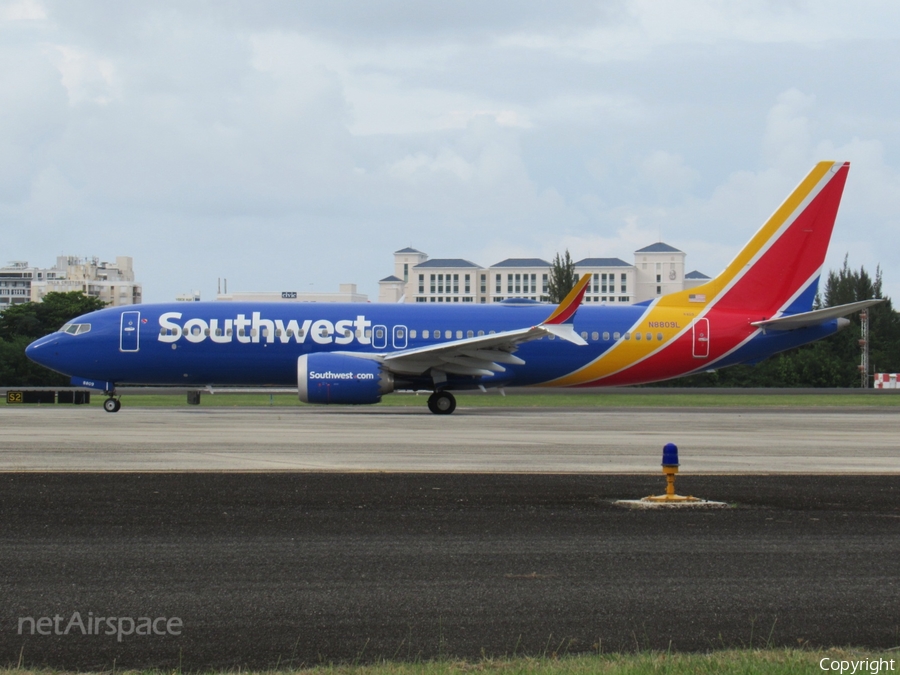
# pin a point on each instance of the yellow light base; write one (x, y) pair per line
(670, 498)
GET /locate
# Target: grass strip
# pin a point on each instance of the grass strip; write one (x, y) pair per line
(727, 662)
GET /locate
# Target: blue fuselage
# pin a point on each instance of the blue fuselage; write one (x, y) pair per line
(256, 344)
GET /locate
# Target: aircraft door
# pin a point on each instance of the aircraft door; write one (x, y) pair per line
(129, 332)
(399, 340)
(379, 337)
(701, 338)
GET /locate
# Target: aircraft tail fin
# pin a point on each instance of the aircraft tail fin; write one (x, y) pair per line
(777, 272)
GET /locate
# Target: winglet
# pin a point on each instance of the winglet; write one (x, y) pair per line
(567, 308)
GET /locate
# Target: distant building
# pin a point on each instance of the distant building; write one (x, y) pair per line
(347, 293)
(445, 280)
(612, 280)
(113, 283)
(658, 269)
(526, 278)
(193, 296)
(694, 279)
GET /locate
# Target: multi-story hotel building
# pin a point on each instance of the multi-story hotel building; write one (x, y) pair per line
(658, 269)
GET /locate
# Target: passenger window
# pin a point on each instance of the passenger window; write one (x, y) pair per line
(616, 336)
(228, 332)
(595, 336)
(425, 334)
(659, 336)
(162, 331)
(491, 332)
(206, 332)
(412, 335)
(627, 336)
(480, 333)
(448, 334)
(470, 333)
(277, 332)
(378, 333)
(637, 336)
(605, 336)
(346, 333)
(368, 333)
(649, 336)
(584, 335)
(459, 335)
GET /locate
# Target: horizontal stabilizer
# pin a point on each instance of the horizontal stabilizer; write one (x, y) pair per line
(564, 331)
(814, 318)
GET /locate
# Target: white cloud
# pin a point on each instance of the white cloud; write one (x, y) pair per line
(668, 174)
(86, 77)
(278, 138)
(22, 10)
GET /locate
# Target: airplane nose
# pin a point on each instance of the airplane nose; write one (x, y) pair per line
(41, 351)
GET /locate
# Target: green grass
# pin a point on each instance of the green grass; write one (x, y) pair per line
(495, 400)
(733, 662)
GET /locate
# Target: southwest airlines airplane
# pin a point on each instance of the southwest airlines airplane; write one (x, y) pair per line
(759, 305)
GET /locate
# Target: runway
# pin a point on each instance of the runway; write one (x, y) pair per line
(304, 535)
(303, 568)
(722, 440)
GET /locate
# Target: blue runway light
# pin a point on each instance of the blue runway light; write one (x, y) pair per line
(670, 455)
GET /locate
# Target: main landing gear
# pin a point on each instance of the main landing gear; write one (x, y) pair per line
(442, 403)
(112, 404)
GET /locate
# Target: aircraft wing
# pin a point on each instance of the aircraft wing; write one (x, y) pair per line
(486, 354)
(815, 317)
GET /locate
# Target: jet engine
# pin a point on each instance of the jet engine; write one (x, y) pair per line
(341, 378)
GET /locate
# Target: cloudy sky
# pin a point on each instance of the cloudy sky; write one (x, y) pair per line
(290, 145)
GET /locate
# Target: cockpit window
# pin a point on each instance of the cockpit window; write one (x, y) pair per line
(75, 328)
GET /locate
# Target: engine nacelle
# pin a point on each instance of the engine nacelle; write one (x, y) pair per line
(341, 378)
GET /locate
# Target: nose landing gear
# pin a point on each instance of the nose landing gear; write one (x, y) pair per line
(112, 405)
(442, 403)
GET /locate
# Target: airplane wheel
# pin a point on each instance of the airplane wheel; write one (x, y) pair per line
(111, 405)
(442, 403)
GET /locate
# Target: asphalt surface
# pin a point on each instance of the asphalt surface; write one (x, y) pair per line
(360, 438)
(289, 568)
